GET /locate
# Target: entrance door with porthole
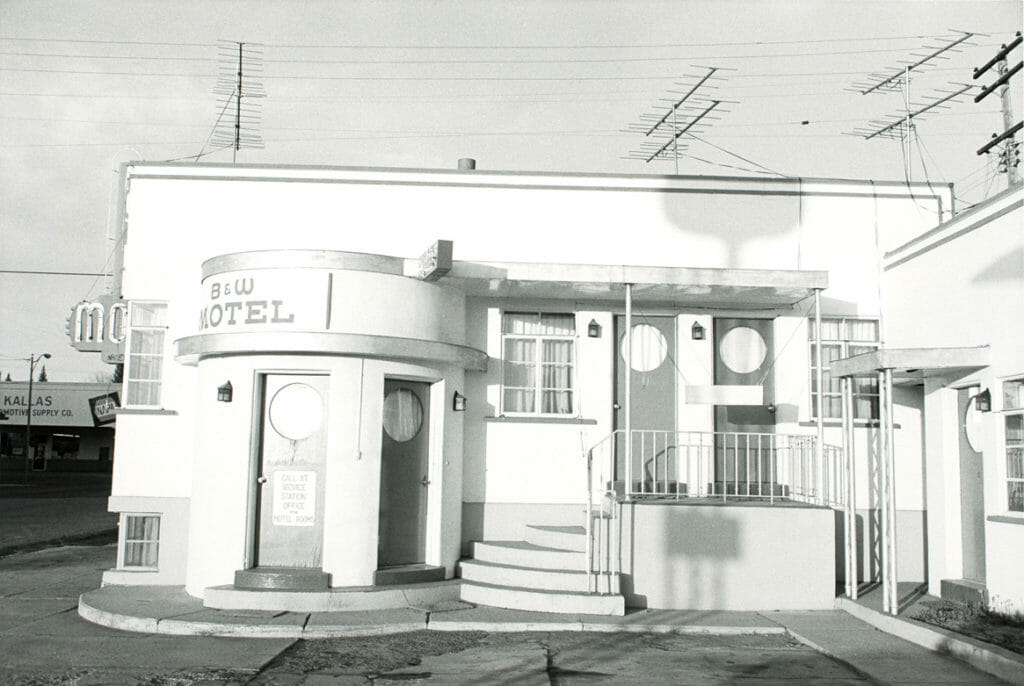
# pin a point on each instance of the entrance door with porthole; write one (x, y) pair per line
(290, 478)
(653, 403)
(404, 474)
(746, 460)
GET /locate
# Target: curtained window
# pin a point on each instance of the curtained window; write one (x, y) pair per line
(538, 350)
(141, 540)
(843, 338)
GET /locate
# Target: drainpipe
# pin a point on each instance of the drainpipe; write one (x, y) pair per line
(628, 354)
(820, 404)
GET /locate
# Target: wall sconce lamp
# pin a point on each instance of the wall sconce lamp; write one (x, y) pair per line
(983, 401)
(225, 392)
(697, 332)
(458, 402)
(593, 329)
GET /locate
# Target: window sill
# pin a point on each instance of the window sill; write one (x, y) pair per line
(137, 570)
(857, 423)
(1006, 519)
(524, 419)
(143, 410)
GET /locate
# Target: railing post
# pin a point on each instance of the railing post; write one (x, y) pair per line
(590, 519)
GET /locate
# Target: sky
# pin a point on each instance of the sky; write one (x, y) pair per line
(529, 85)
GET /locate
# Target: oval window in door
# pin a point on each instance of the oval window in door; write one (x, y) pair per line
(296, 411)
(403, 415)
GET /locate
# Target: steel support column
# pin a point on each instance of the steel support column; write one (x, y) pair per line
(627, 353)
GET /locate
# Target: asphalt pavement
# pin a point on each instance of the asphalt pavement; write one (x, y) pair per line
(45, 583)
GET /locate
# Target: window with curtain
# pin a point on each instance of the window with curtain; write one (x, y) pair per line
(1013, 411)
(539, 359)
(143, 375)
(842, 337)
(141, 541)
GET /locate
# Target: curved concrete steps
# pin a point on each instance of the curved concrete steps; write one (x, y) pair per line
(543, 573)
(527, 555)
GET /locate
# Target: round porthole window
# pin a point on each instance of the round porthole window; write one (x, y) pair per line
(296, 411)
(972, 426)
(403, 415)
(648, 348)
(742, 350)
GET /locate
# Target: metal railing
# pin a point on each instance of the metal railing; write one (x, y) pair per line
(677, 465)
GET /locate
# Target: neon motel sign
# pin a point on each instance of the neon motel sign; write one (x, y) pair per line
(99, 325)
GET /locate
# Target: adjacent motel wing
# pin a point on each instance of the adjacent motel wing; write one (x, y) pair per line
(557, 392)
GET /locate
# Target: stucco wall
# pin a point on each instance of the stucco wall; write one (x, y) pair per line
(220, 505)
(728, 558)
(960, 285)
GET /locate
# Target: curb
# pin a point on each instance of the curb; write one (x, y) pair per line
(992, 660)
(180, 626)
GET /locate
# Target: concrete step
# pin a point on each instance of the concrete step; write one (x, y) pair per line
(533, 600)
(571, 580)
(282, 579)
(564, 537)
(525, 554)
(407, 574)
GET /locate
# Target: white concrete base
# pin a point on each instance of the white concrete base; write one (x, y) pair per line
(333, 600)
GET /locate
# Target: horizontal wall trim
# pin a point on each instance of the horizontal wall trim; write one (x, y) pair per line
(143, 410)
(303, 259)
(191, 349)
(541, 420)
(202, 169)
(935, 238)
(794, 192)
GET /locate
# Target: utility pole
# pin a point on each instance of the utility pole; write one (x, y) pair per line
(1010, 155)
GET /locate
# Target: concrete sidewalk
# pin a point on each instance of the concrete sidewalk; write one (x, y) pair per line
(887, 652)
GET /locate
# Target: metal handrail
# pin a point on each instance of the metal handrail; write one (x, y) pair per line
(700, 464)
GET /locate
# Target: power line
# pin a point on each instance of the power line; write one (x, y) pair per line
(48, 273)
(538, 46)
(517, 60)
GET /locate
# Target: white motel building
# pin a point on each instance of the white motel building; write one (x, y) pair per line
(346, 388)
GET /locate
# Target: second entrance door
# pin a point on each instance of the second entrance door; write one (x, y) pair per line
(404, 476)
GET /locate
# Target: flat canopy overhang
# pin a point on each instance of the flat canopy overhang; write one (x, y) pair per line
(721, 288)
(909, 364)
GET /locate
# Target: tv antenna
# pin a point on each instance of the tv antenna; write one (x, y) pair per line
(240, 86)
(688, 113)
(899, 126)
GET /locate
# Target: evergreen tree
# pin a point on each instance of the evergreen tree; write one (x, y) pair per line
(42, 374)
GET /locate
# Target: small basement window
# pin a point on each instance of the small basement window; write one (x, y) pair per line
(141, 541)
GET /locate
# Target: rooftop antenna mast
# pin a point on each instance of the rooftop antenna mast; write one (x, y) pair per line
(898, 127)
(240, 85)
(1010, 156)
(684, 116)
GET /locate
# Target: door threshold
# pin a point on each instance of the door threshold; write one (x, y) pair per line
(400, 575)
